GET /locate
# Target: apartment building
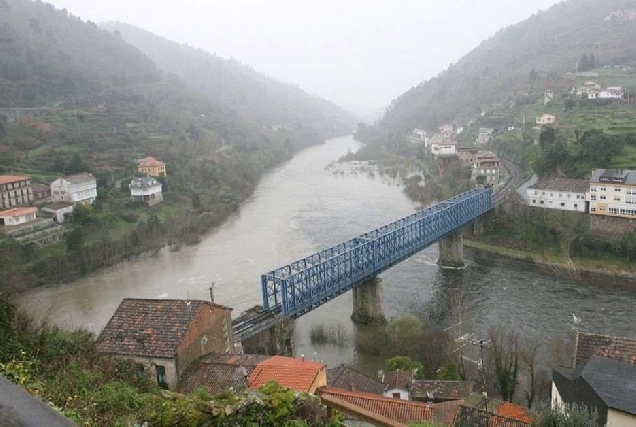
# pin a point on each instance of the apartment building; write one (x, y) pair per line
(15, 190)
(612, 192)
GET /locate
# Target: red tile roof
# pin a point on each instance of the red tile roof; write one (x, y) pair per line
(295, 374)
(516, 412)
(616, 348)
(14, 212)
(150, 162)
(149, 327)
(403, 411)
(7, 179)
(468, 416)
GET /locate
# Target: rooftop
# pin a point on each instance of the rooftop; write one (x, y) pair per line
(149, 162)
(613, 381)
(516, 412)
(403, 411)
(295, 374)
(619, 176)
(349, 379)
(562, 184)
(15, 212)
(398, 379)
(144, 182)
(57, 205)
(215, 377)
(443, 390)
(617, 348)
(79, 178)
(149, 327)
(476, 417)
(7, 179)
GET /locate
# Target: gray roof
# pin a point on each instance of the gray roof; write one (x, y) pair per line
(625, 175)
(613, 381)
(447, 390)
(349, 379)
(57, 205)
(144, 182)
(562, 184)
(80, 178)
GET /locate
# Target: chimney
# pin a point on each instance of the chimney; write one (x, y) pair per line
(302, 357)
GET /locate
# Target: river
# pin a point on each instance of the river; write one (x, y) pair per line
(303, 206)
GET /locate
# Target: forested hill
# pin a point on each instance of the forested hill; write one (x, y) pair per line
(550, 42)
(231, 83)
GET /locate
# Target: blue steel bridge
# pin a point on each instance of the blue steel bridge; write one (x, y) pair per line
(297, 288)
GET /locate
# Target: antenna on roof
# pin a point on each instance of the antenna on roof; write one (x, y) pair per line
(212, 292)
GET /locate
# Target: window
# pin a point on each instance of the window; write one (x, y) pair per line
(603, 197)
(536, 192)
(617, 189)
(592, 188)
(551, 194)
(161, 376)
(396, 395)
(562, 204)
(543, 193)
(560, 194)
(541, 202)
(140, 370)
(613, 210)
(603, 188)
(569, 195)
(593, 197)
(617, 198)
(576, 206)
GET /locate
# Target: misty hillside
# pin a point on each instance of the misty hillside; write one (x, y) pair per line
(549, 42)
(235, 85)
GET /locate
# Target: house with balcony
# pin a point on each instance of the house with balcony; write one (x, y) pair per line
(164, 337)
(15, 190)
(80, 188)
(558, 193)
(146, 190)
(151, 167)
(18, 216)
(612, 192)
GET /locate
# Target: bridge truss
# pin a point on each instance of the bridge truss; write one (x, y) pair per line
(303, 285)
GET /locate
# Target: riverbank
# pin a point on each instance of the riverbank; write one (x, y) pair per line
(576, 269)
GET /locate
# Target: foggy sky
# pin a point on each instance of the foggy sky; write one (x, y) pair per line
(359, 54)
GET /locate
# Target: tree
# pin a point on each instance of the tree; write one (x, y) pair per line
(405, 333)
(82, 214)
(449, 373)
(504, 361)
(570, 104)
(403, 363)
(568, 416)
(533, 75)
(75, 239)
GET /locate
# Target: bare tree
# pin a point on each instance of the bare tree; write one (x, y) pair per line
(504, 361)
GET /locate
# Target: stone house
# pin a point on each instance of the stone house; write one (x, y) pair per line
(398, 384)
(163, 337)
(80, 188)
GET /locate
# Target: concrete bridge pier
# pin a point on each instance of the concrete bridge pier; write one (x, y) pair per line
(367, 303)
(277, 340)
(451, 251)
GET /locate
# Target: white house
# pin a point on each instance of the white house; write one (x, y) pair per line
(546, 119)
(146, 190)
(559, 193)
(446, 148)
(80, 188)
(17, 216)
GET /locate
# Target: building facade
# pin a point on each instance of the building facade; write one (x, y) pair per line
(15, 190)
(558, 193)
(80, 188)
(151, 167)
(146, 190)
(612, 192)
(546, 119)
(17, 216)
(164, 337)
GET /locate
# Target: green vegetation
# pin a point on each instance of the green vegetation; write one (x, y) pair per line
(101, 104)
(63, 368)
